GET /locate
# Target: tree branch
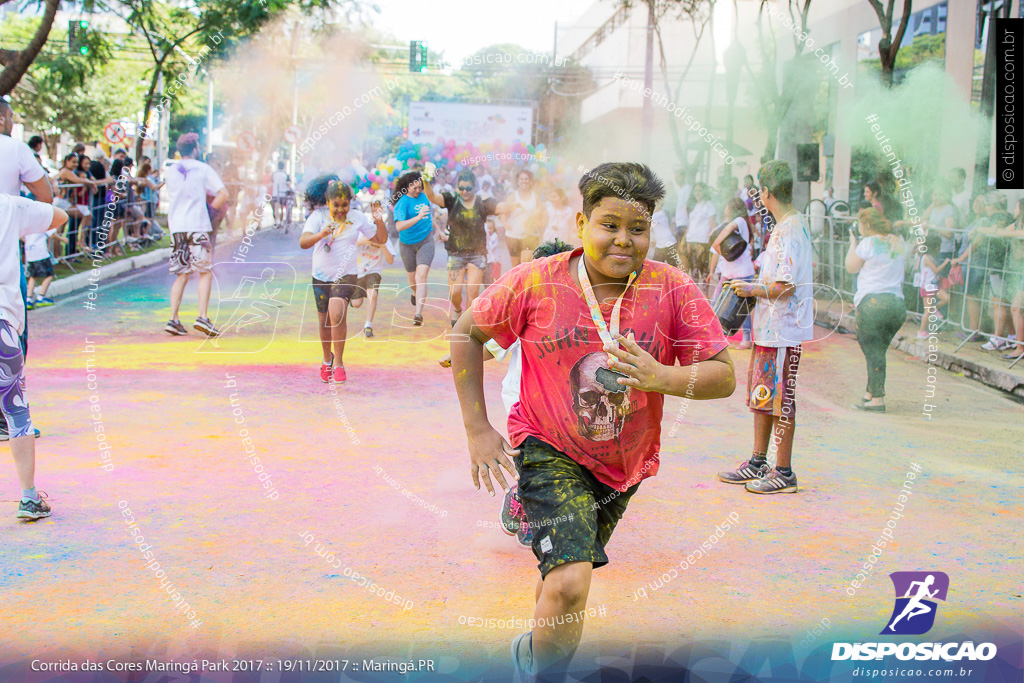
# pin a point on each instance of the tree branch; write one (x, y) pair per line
(904, 20)
(18, 65)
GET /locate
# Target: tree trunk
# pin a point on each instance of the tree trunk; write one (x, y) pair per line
(149, 106)
(17, 63)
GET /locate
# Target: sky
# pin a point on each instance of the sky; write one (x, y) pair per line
(461, 27)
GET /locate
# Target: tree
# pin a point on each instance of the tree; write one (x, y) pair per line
(71, 92)
(698, 13)
(180, 38)
(17, 62)
(889, 45)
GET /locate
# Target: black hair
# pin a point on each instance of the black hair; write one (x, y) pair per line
(932, 244)
(280, 165)
(35, 141)
(466, 176)
(187, 145)
(550, 248)
(777, 176)
(627, 180)
(115, 168)
(71, 155)
(316, 190)
(875, 188)
(338, 190)
(402, 185)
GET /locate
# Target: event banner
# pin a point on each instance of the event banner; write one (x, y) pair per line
(476, 123)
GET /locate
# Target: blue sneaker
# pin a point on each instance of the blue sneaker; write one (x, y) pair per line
(29, 305)
(43, 301)
(522, 655)
(33, 509)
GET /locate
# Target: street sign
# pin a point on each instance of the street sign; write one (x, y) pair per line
(292, 134)
(246, 142)
(115, 133)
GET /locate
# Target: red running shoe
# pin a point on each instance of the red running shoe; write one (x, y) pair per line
(325, 370)
(339, 374)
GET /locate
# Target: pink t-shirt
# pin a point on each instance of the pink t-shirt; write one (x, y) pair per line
(616, 435)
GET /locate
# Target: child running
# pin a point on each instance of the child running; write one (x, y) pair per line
(372, 257)
(333, 233)
(513, 517)
(587, 427)
(19, 217)
(40, 267)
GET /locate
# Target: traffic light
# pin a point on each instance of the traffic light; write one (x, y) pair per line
(417, 56)
(77, 30)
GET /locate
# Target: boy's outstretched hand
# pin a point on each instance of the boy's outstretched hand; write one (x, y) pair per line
(642, 369)
(488, 453)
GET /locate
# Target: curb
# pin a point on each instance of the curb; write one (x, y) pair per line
(82, 280)
(79, 281)
(917, 348)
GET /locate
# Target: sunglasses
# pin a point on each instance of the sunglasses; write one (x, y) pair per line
(465, 188)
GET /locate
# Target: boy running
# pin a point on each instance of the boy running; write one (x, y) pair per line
(188, 182)
(371, 259)
(587, 427)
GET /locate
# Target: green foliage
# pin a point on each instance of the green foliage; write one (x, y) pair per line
(71, 92)
(924, 49)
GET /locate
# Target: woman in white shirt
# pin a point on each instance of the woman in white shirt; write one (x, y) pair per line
(880, 259)
(525, 217)
(702, 222)
(561, 218)
(743, 267)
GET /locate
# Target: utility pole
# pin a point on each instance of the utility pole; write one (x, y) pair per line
(295, 93)
(551, 100)
(209, 113)
(648, 110)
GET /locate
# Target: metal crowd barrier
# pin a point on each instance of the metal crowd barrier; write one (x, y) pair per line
(84, 236)
(985, 273)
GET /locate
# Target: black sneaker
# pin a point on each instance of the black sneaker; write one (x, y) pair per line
(774, 482)
(4, 436)
(744, 473)
(512, 512)
(367, 332)
(206, 327)
(175, 327)
(34, 509)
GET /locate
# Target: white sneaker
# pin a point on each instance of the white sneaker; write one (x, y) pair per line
(994, 344)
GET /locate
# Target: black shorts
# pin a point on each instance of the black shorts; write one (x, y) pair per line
(571, 513)
(342, 288)
(39, 269)
(364, 284)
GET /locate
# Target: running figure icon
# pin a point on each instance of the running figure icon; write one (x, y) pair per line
(916, 607)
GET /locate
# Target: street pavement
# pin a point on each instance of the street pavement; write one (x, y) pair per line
(372, 479)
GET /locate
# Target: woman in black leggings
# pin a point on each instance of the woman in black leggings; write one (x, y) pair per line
(880, 260)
